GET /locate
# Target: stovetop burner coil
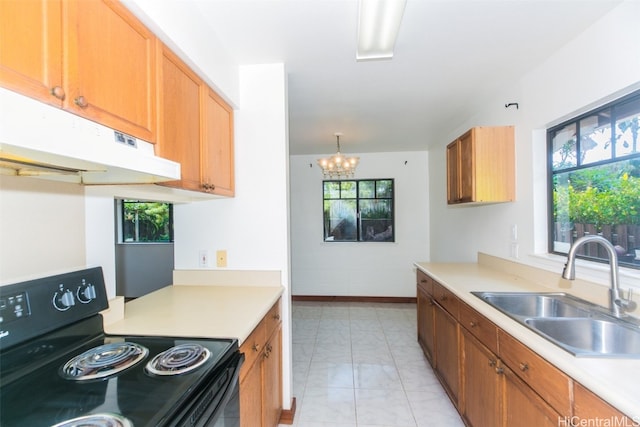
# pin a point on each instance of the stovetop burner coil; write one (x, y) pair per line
(103, 361)
(177, 360)
(97, 420)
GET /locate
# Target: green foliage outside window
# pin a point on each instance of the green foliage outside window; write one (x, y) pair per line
(146, 221)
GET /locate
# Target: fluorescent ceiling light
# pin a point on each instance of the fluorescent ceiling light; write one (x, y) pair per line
(378, 26)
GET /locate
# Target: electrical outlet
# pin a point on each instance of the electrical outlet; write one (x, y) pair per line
(203, 258)
(221, 258)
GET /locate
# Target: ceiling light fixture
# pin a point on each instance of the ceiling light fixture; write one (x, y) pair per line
(378, 26)
(338, 166)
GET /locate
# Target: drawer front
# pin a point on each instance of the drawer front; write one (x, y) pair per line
(272, 320)
(252, 347)
(424, 282)
(446, 299)
(545, 379)
(479, 326)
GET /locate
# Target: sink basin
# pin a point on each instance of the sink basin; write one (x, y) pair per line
(593, 337)
(536, 305)
(578, 326)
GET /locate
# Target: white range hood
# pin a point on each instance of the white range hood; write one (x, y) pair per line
(42, 141)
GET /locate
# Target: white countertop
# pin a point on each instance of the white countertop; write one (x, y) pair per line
(197, 311)
(616, 381)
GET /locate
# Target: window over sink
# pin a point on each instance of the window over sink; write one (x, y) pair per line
(358, 210)
(594, 180)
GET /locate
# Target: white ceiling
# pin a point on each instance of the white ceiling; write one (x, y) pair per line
(450, 54)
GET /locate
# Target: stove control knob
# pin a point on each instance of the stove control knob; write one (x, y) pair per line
(63, 300)
(86, 293)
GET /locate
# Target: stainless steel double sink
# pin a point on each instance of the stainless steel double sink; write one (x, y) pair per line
(578, 326)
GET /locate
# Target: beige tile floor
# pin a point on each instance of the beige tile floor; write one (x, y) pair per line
(359, 365)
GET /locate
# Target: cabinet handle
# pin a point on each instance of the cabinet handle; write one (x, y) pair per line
(423, 280)
(524, 367)
(443, 298)
(81, 102)
(276, 317)
(473, 324)
(492, 363)
(255, 347)
(431, 302)
(58, 92)
(499, 370)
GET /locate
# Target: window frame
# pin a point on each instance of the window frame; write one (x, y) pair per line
(359, 232)
(610, 107)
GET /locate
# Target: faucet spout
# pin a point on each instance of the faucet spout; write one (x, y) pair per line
(617, 304)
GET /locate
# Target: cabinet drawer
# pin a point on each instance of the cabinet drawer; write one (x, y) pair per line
(479, 326)
(272, 320)
(252, 347)
(545, 379)
(446, 299)
(424, 282)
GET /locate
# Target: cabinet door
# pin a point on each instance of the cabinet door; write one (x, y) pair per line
(588, 406)
(453, 173)
(446, 351)
(179, 138)
(272, 381)
(217, 146)
(31, 48)
(522, 407)
(467, 168)
(110, 67)
(251, 397)
(481, 384)
(426, 319)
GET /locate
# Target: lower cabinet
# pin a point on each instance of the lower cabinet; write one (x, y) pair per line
(522, 406)
(481, 382)
(261, 374)
(493, 379)
(446, 352)
(426, 319)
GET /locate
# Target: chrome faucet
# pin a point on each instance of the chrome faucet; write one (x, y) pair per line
(617, 304)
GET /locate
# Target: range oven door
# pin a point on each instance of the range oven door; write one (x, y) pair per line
(218, 405)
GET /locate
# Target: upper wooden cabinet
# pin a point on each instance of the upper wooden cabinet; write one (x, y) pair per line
(31, 48)
(217, 146)
(90, 57)
(481, 166)
(196, 129)
(179, 118)
(109, 67)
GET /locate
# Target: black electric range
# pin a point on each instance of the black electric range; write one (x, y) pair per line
(59, 368)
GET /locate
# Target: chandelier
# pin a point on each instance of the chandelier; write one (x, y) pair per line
(338, 166)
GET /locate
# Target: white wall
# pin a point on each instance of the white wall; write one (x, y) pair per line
(365, 268)
(41, 228)
(600, 63)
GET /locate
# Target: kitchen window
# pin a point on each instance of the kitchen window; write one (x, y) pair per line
(594, 176)
(358, 210)
(146, 222)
